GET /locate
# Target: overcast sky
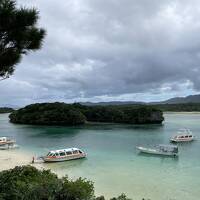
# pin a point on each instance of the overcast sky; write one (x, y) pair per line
(103, 50)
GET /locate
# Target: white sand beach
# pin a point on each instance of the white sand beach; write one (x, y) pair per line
(11, 158)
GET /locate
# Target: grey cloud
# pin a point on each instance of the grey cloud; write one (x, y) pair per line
(110, 49)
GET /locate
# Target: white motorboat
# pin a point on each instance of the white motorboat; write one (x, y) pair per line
(64, 155)
(167, 150)
(7, 143)
(183, 135)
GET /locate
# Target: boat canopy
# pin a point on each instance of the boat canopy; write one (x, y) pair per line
(3, 138)
(183, 136)
(64, 150)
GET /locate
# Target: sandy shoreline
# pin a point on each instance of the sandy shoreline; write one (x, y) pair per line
(11, 158)
(16, 157)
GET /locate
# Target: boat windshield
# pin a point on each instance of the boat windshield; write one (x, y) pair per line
(175, 150)
(166, 148)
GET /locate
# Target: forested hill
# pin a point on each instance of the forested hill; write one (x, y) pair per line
(183, 100)
(75, 114)
(177, 100)
(6, 110)
(181, 107)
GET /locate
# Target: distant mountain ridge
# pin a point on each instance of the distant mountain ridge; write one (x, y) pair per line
(187, 99)
(111, 103)
(9, 106)
(175, 100)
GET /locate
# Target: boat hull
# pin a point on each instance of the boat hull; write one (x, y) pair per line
(155, 152)
(181, 140)
(7, 143)
(63, 158)
(6, 146)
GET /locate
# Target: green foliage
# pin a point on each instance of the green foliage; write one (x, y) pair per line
(76, 190)
(29, 183)
(47, 113)
(6, 110)
(123, 114)
(18, 35)
(121, 197)
(75, 114)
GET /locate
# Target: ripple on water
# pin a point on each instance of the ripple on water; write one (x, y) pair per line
(113, 163)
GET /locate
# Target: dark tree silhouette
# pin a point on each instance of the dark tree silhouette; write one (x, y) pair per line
(77, 114)
(19, 34)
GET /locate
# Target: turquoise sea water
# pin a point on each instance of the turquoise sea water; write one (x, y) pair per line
(113, 163)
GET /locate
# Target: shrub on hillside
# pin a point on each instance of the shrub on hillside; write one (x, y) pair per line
(29, 183)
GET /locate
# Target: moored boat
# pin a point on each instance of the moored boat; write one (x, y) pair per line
(6, 141)
(166, 150)
(183, 135)
(64, 155)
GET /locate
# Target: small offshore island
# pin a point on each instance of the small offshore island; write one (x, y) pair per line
(77, 114)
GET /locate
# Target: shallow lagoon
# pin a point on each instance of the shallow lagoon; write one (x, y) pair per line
(113, 163)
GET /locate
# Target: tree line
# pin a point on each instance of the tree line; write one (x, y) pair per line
(76, 114)
(6, 110)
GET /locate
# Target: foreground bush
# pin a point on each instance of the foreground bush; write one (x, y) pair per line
(29, 183)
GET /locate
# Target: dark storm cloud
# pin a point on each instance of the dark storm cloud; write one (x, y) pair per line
(99, 50)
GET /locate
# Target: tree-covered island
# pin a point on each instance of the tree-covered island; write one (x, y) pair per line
(6, 110)
(77, 114)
